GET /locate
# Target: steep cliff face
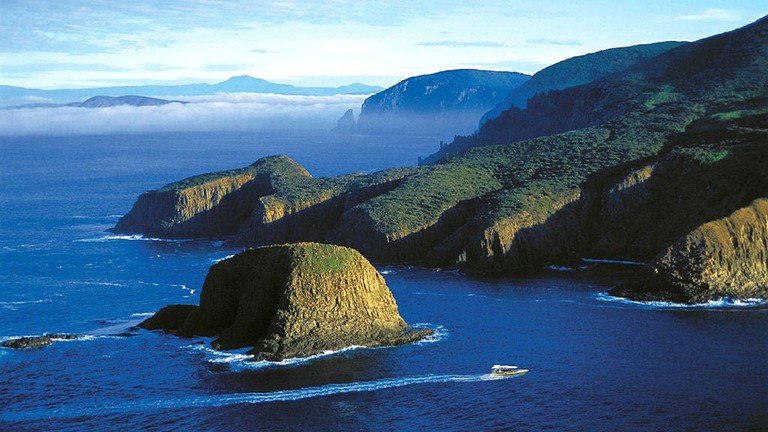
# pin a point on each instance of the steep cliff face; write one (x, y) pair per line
(294, 300)
(527, 239)
(210, 204)
(442, 104)
(346, 124)
(310, 210)
(727, 257)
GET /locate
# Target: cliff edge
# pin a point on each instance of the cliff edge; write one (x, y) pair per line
(727, 257)
(293, 300)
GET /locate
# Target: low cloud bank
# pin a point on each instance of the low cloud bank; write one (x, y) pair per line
(231, 111)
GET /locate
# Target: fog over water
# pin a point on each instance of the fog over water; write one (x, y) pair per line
(221, 112)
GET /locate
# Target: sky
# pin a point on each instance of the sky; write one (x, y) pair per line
(79, 44)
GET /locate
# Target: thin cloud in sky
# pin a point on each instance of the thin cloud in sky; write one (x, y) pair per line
(462, 44)
(558, 42)
(714, 15)
(47, 67)
(226, 67)
(200, 39)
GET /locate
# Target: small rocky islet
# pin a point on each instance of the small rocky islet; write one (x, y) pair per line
(38, 341)
(292, 300)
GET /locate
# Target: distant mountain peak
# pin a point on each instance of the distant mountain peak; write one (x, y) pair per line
(243, 79)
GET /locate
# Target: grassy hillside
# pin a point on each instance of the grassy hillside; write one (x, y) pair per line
(579, 70)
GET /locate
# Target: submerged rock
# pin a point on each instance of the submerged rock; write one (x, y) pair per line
(37, 341)
(292, 300)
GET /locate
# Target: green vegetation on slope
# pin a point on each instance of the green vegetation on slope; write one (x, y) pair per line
(274, 166)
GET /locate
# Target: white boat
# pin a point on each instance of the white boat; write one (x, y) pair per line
(506, 371)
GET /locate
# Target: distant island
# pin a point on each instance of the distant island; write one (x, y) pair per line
(104, 102)
(664, 162)
(11, 96)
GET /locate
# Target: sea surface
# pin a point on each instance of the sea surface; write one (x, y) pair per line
(596, 363)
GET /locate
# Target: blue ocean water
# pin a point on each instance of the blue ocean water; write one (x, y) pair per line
(596, 363)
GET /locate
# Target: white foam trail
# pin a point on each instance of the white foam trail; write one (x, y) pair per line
(239, 360)
(559, 268)
(15, 303)
(218, 260)
(79, 338)
(610, 261)
(440, 333)
(131, 237)
(241, 398)
(723, 303)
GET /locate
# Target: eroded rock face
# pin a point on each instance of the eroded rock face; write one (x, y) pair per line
(210, 204)
(727, 257)
(292, 300)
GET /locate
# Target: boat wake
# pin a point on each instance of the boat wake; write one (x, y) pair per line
(240, 398)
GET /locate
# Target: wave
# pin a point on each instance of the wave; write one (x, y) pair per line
(439, 333)
(130, 237)
(240, 360)
(218, 260)
(220, 400)
(191, 291)
(79, 338)
(16, 303)
(722, 303)
(611, 261)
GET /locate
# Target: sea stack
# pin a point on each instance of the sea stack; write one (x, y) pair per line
(346, 124)
(292, 300)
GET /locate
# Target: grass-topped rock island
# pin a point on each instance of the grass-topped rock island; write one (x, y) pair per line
(291, 301)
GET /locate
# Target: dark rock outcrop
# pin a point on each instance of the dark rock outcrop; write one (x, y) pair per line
(346, 124)
(209, 205)
(169, 318)
(292, 300)
(37, 341)
(442, 104)
(727, 257)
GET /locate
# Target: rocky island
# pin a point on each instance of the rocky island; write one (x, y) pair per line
(289, 301)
